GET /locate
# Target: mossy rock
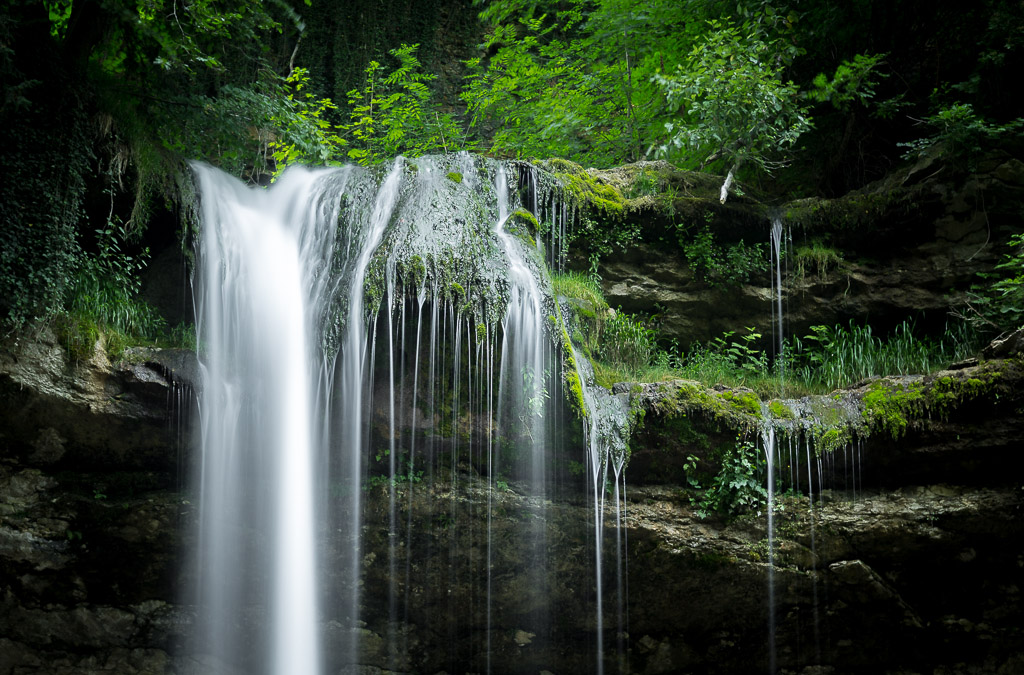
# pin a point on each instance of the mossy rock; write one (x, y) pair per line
(587, 191)
(733, 409)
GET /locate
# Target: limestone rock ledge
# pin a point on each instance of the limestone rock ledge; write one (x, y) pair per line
(899, 576)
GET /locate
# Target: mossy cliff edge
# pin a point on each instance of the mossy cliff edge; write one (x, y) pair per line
(910, 244)
(895, 421)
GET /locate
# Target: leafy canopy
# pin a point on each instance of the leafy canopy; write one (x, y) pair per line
(731, 102)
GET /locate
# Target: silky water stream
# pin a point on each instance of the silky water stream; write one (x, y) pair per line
(383, 380)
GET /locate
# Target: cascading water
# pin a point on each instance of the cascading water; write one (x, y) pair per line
(358, 329)
(258, 292)
(606, 450)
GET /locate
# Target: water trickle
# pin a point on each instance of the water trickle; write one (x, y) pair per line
(607, 427)
(777, 248)
(768, 438)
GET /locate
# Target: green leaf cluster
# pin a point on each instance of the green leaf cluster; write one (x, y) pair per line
(960, 133)
(730, 99)
(573, 78)
(737, 488)
(718, 264)
(998, 304)
(391, 114)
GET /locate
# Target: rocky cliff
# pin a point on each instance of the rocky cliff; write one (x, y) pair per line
(906, 246)
(913, 566)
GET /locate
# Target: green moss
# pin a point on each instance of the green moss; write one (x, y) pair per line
(728, 409)
(570, 373)
(418, 269)
(827, 440)
(455, 176)
(481, 332)
(572, 381)
(743, 401)
(817, 258)
(526, 217)
(579, 286)
(586, 190)
(712, 560)
(374, 284)
(456, 290)
(857, 210)
(890, 406)
(571, 376)
(948, 392)
(780, 411)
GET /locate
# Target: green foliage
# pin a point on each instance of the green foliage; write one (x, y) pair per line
(600, 238)
(731, 101)
(536, 87)
(407, 474)
(854, 82)
(817, 258)
(106, 287)
(714, 264)
(391, 114)
(728, 359)
(960, 133)
(999, 303)
(572, 79)
(535, 395)
(579, 286)
(825, 360)
(626, 341)
(832, 357)
(737, 487)
(47, 161)
(78, 335)
(304, 132)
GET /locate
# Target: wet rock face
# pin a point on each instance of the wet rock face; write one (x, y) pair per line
(905, 575)
(906, 580)
(90, 547)
(91, 414)
(909, 245)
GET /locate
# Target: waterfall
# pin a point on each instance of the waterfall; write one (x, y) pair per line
(357, 330)
(607, 426)
(258, 289)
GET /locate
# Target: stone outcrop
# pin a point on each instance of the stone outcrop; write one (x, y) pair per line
(90, 541)
(908, 246)
(910, 571)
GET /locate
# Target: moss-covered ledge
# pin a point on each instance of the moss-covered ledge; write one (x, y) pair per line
(655, 194)
(954, 425)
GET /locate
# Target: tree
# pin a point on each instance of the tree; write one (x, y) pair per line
(573, 78)
(392, 115)
(732, 104)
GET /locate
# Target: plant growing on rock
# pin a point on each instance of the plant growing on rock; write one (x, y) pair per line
(999, 305)
(736, 488)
